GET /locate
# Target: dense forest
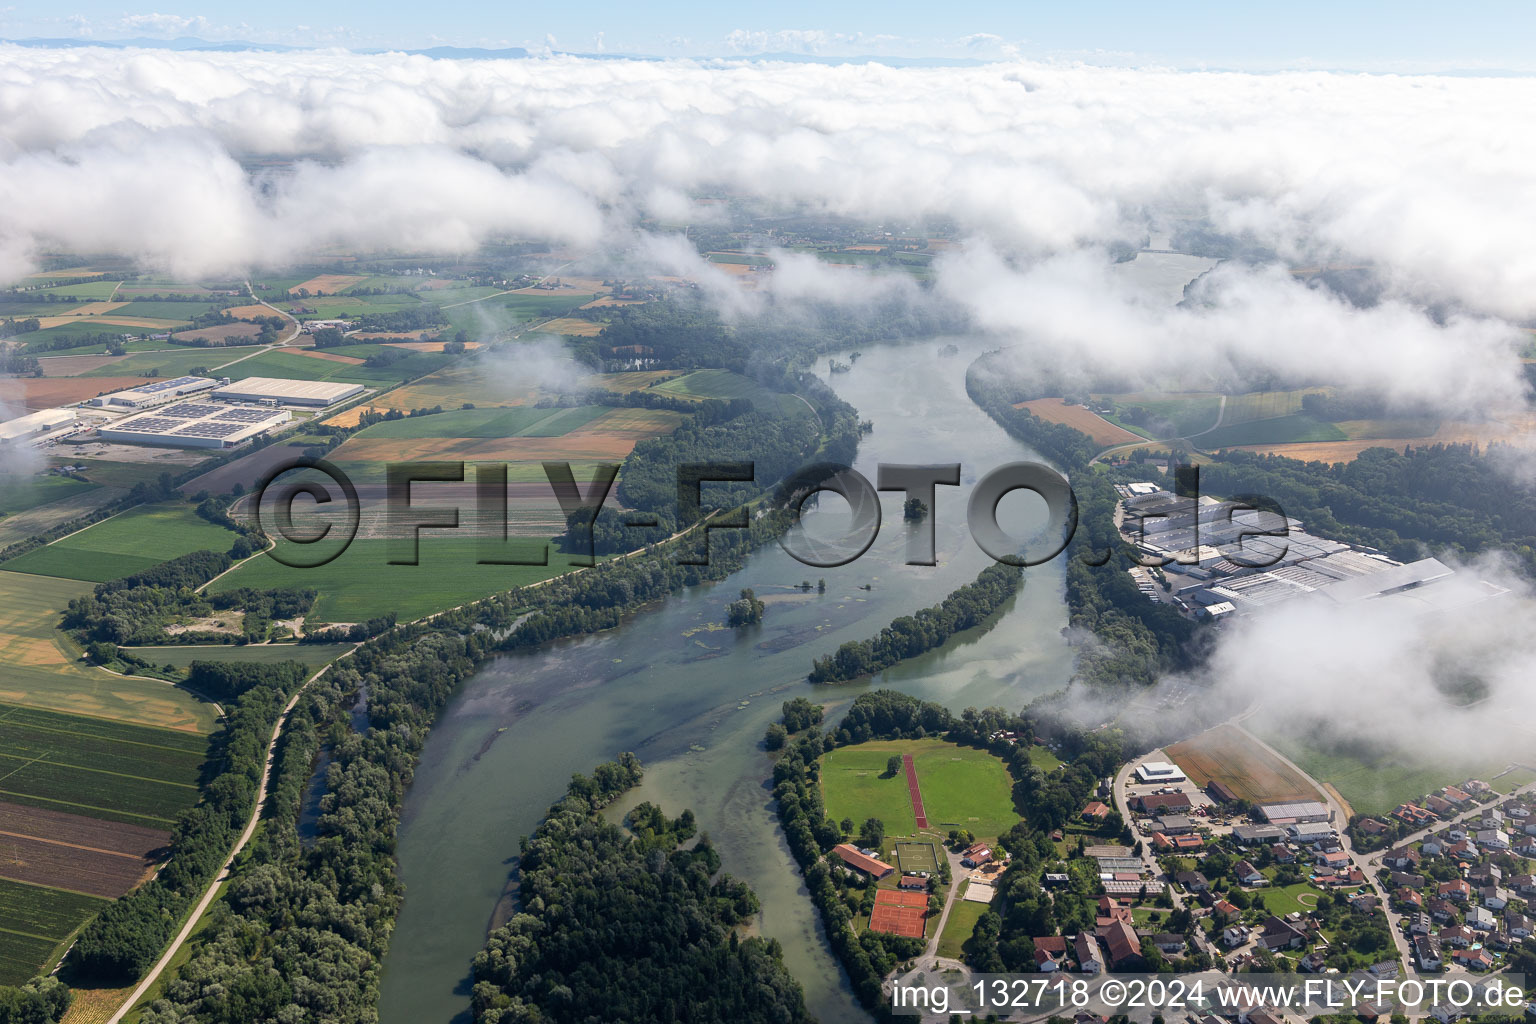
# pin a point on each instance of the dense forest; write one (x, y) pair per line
(1427, 499)
(911, 635)
(635, 926)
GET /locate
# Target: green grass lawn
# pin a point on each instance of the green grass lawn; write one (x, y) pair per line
(1513, 781)
(1286, 899)
(87, 291)
(20, 495)
(162, 310)
(1042, 758)
(1176, 415)
(293, 366)
(958, 928)
(702, 384)
(961, 787)
(121, 545)
(362, 584)
(1278, 430)
(519, 421)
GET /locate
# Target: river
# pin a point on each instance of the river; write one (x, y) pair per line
(693, 702)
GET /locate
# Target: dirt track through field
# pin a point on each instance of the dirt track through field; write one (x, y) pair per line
(913, 791)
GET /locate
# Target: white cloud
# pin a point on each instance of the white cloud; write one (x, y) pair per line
(164, 24)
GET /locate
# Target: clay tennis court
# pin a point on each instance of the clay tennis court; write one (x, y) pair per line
(898, 912)
(913, 791)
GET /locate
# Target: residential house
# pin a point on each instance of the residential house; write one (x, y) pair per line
(1050, 951)
(1403, 896)
(916, 883)
(1520, 811)
(1427, 952)
(1097, 810)
(1443, 911)
(1283, 854)
(1459, 937)
(1248, 875)
(1473, 959)
(1495, 897)
(1364, 902)
(1519, 926)
(1432, 846)
(1525, 885)
(976, 855)
(1225, 910)
(1123, 945)
(1409, 879)
(1402, 858)
(1481, 918)
(1372, 826)
(1233, 936)
(1169, 944)
(1493, 839)
(1279, 933)
(1337, 860)
(1457, 889)
(1193, 881)
(1419, 923)
(1440, 805)
(1313, 962)
(1455, 795)
(1089, 959)
(1493, 817)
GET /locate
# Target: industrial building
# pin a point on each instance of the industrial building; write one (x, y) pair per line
(154, 393)
(1151, 772)
(35, 424)
(195, 425)
(273, 390)
(1294, 813)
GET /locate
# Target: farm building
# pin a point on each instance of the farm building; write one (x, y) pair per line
(195, 425)
(1155, 803)
(1249, 835)
(1153, 772)
(851, 856)
(33, 424)
(1295, 813)
(154, 393)
(316, 393)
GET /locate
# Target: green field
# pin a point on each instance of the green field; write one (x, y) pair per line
(961, 922)
(311, 655)
(1279, 430)
(518, 421)
(361, 583)
(328, 307)
(702, 384)
(962, 788)
(1287, 899)
(86, 291)
(115, 547)
(34, 921)
(172, 364)
(1376, 784)
(293, 366)
(512, 310)
(18, 496)
(1173, 415)
(98, 768)
(41, 668)
(182, 311)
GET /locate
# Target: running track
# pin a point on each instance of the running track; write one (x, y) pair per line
(917, 796)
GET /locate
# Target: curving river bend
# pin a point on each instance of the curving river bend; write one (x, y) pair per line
(694, 702)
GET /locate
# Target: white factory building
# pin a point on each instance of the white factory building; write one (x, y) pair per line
(153, 393)
(195, 425)
(272, 390)
(1153, 772)
(36, 424)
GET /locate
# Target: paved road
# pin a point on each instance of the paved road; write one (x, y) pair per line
(957, 874)
(240, 844)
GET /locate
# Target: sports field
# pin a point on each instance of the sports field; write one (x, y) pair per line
(362, 584)
(915, 857)
(97, 768)
(116, 547)
(1233, 757)
(40, 668)
(961, 787)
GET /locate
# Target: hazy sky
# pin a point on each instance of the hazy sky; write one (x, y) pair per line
(1405, 35)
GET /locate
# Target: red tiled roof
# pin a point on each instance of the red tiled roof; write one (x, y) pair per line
(853, 858)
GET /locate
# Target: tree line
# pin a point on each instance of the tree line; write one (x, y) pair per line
(911, 635)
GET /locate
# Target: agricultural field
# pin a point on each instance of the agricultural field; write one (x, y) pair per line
(40, 667)
(361, 583)
(100, 769)
(702, 384)
(170, 364)
(295, 365)
(573, 327)
(19, 496)
(1230, 755)
(1277, 430)
(36, 921)
(1079, 418)
(330, 307)
(522, 421)
(180, 312)
(311, 655)
(86, 290)
(330, 284)
(1374, 783)
(961, 787)
(116, 547)
(513, 309)
(632, 380)
(223, 332)
(1175, 414)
